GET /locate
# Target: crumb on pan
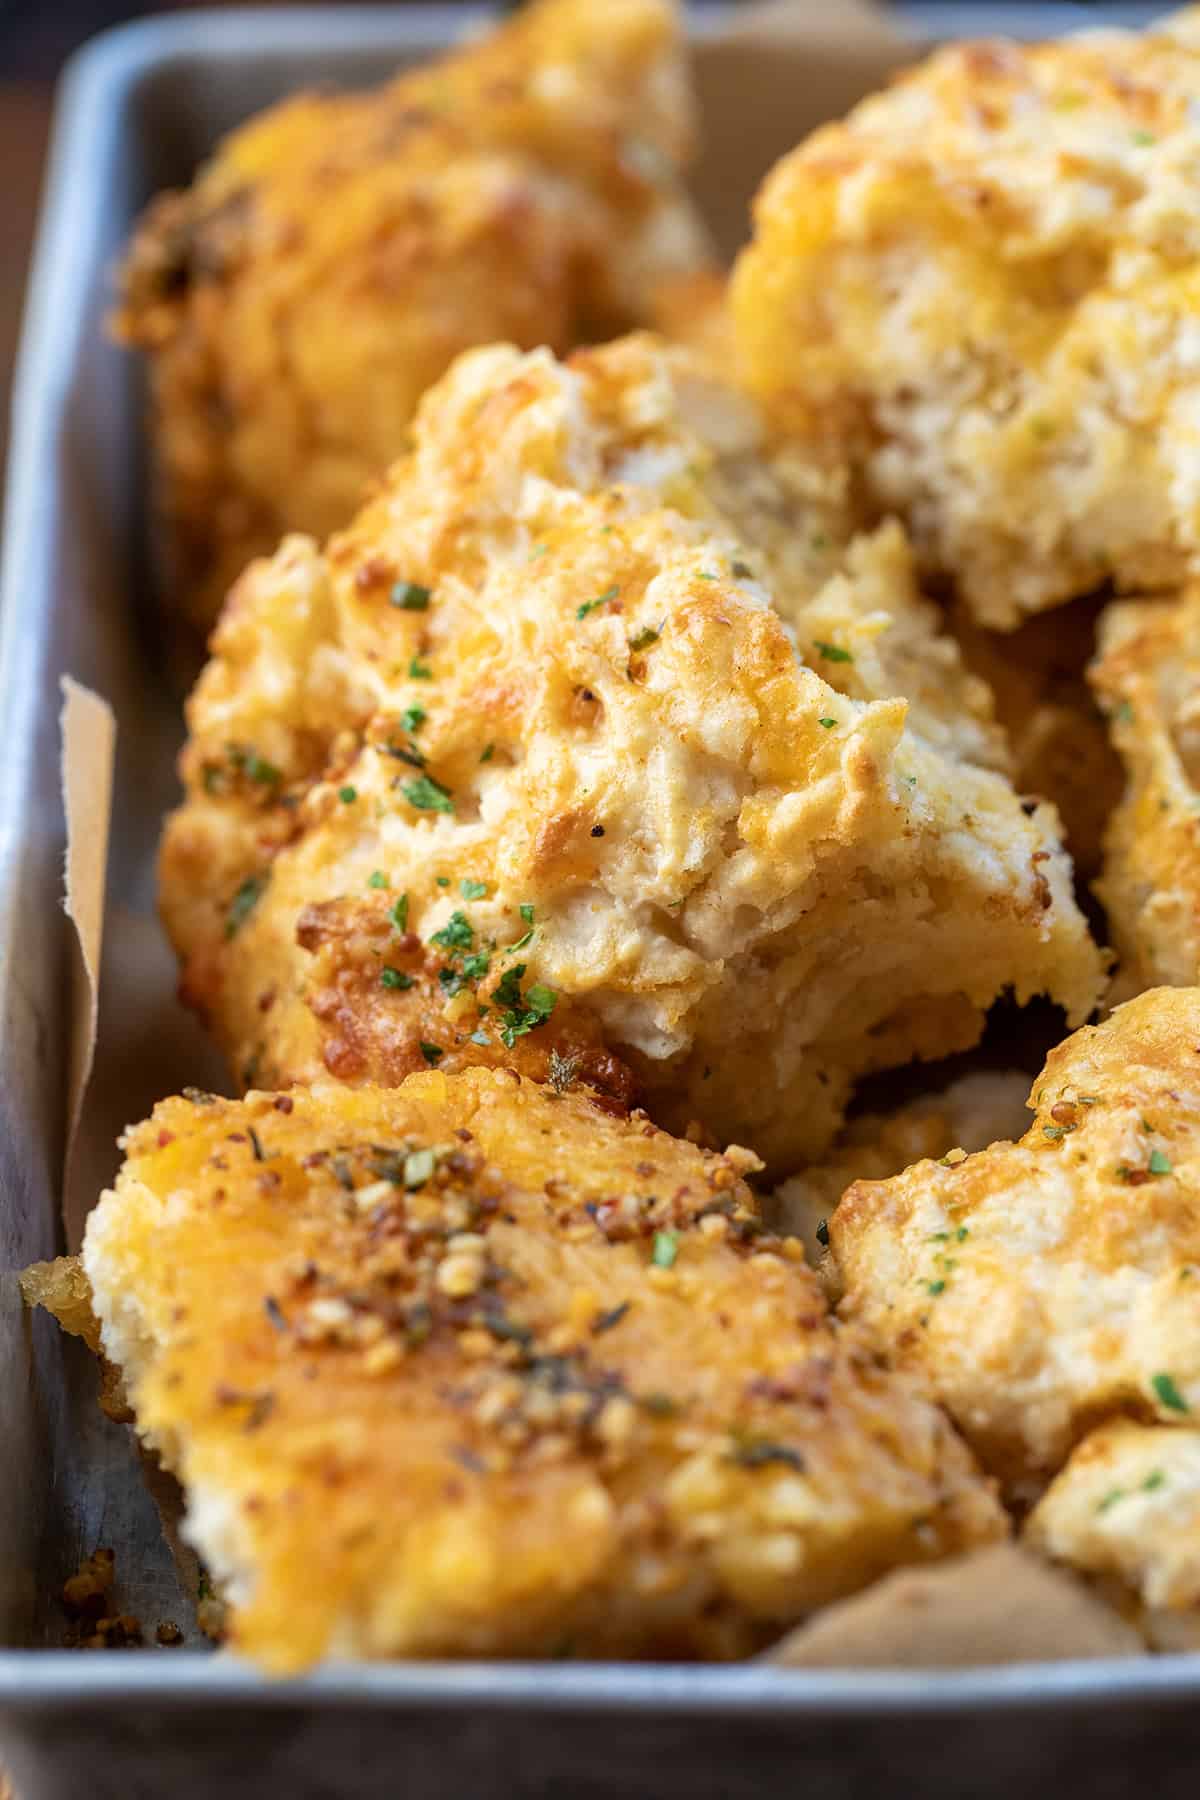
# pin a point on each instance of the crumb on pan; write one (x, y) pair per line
(471, 1368)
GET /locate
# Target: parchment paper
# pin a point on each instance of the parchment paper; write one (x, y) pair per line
(89, 736)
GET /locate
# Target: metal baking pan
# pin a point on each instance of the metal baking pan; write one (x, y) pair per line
(138, 109)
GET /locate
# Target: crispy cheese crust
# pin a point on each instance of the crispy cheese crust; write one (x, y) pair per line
(340, 250)
(527, 761)
(982, 284)
(1042, 1284)
(469, 1368)
(1147, 677)
(1126, 1509)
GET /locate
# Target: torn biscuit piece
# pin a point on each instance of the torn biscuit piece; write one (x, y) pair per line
(1039, 1285)
(1126, 1512)
(981, 288)
(585, 740)
(467, 1368)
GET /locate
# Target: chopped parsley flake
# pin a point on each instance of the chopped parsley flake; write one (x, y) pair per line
(964, 1231)
(742, 570)
(1160, 1163)
(410, 596)
(427, 795)
(398, 913)
(1124, 712)
(935, 1287)
(1155, 1479)
(432, 1053)
(377, 879)
(442, 880)
(525, 938)
(249, 763)
(412, 718)
(648, 635)
(476, 967)
(521, 1014)
(1143, 138)
(488, 752)
(705, 575)
(456, 934)
(1168, 1394)
(243, 903)
(526, 912)
(419, 671)
(832, 652)
(827, 723)
(581, 612)
(394, 978)
(1110, 1499)
(666, 1249)
(472, 890)
(348, 795)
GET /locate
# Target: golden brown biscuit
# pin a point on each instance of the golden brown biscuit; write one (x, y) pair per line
(982, 285)
(1147, 677)
(1126, 1509)
(1042, 1284)
(527, 765)
(340, 250)
(469, 1368)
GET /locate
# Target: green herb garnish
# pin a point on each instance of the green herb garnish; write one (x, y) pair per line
(456, 934)
(394, 978)
(427, 795)
(1168, 1394)
(581, 612)
(410, 596)
(666, 1249)
(832, 652)
(243, 903)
